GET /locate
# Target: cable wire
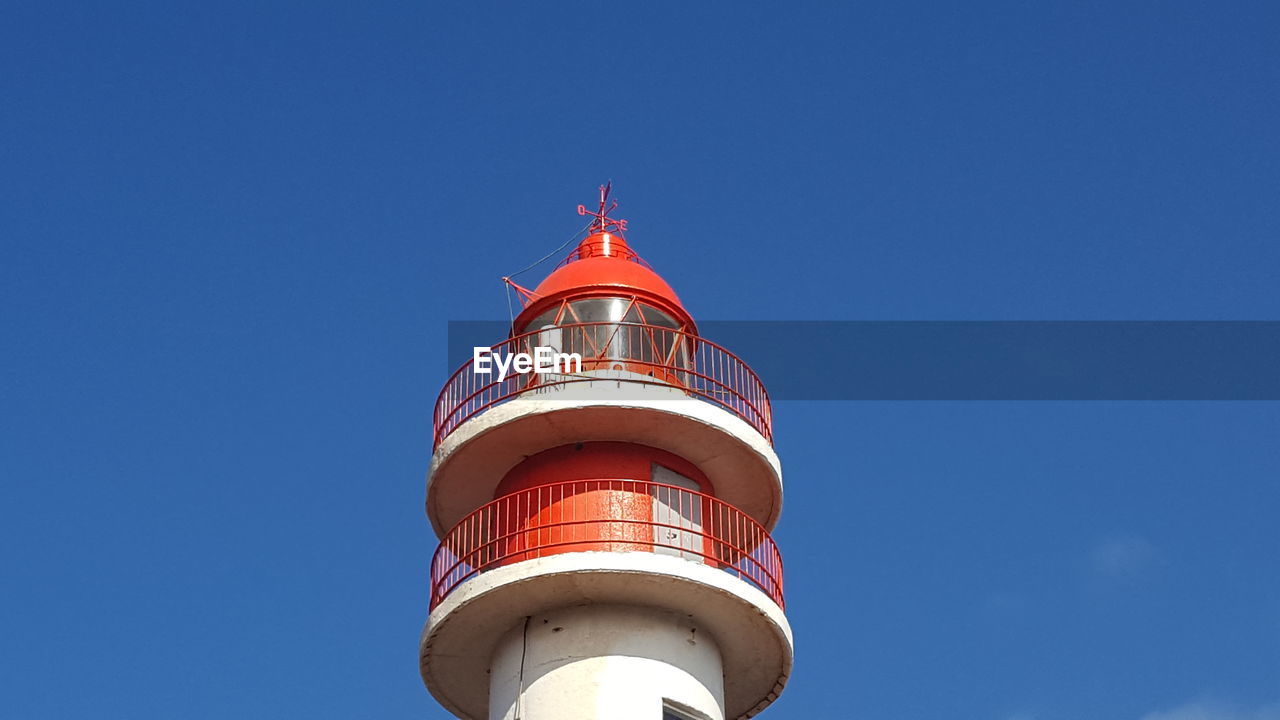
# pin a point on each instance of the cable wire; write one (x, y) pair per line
(506, 281)
(544, 258)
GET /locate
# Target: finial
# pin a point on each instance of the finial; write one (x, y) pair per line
(604, 223)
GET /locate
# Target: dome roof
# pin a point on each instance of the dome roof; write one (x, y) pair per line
(603, 265)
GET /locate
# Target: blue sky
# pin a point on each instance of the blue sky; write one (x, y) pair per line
(233, 234)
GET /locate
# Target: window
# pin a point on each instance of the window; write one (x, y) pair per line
(621, 329)
(673, 711)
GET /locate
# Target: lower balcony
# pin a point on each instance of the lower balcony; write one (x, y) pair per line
(614, 516)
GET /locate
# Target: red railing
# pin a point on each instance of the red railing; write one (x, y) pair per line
(648, 355)
(597, 248)
(607, 516)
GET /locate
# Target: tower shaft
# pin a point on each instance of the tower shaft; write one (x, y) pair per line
(623, 662)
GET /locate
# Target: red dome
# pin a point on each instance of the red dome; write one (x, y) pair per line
(603, 266)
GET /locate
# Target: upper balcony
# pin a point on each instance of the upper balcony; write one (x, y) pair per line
(632, 354)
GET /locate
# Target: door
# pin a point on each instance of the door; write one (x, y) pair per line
(677, 515)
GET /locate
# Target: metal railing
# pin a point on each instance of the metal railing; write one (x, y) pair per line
(607, 516)
(597, 248)
(646, 355)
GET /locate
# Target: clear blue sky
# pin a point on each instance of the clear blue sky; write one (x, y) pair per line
(233, 233)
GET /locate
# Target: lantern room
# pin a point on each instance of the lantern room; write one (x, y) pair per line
(606, 304)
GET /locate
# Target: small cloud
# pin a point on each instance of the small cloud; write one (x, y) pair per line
(1123, 557)
(1215, 711)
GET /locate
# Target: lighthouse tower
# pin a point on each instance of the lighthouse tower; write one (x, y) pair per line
(604, 521)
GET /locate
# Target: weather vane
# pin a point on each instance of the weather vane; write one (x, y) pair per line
(604, 223)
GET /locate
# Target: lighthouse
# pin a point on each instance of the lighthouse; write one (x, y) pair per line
(604, 523)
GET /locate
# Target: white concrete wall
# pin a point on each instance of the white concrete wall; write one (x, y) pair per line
(605, 662)
(461, 636)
